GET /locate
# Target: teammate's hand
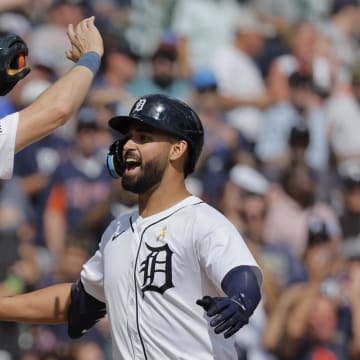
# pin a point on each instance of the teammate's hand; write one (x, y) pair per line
(231, 313)
(84, 37)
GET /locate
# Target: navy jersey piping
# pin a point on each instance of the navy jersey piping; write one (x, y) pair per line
(136, 260)
(131, 223)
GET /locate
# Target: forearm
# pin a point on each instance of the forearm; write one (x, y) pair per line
(299, 316)
(275, 326)
(355, 343)
(45, 306)
(54, 106)
(7, 5)
(55, 228)
(353, 294)
(261, 101)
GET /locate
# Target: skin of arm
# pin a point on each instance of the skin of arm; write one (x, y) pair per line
(354, 292)
(278, 84)
(46, 306)
(260, 102)
(297, 325)
(183, 56)
(55, 106)
(7, 5)
(55, 230)
(277, 318)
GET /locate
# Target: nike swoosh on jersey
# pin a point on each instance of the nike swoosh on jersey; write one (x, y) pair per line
(117, 235)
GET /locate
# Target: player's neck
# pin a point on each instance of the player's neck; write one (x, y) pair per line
(160, 199)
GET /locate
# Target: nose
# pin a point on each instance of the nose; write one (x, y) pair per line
(128, 143)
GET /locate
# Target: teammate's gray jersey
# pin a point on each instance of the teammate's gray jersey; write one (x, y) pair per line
(150, 272)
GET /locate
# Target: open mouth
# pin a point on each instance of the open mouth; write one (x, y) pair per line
(131, 163)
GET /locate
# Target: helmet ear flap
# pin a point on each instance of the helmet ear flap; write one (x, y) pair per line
(115, 164)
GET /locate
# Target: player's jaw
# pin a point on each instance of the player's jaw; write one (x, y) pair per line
(140, 177)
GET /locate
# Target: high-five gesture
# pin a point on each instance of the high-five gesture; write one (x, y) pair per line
(84, 37)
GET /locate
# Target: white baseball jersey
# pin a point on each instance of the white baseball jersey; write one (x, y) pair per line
(8, 128)
(150, 272)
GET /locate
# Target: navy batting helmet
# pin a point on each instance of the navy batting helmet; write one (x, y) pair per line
(170, 115)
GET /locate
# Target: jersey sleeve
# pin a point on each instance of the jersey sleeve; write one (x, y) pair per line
(92, 273)
(221, 248)
(8, 128)
(92, 276)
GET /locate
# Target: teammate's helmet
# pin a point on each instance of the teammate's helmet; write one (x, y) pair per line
(13, 52)
(168, 114)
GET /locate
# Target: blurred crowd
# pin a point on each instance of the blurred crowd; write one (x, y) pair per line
(277, 86)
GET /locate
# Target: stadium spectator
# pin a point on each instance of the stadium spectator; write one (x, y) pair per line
(281, 135)
(305, 57)
(313, 319)
(350, 211)
(119, 68)
(340, 29)
(79, 183)
(241, 86)
(223, 147)
(49, 38)
(162, 76)
(295, 200)
(342, 112)
(199, 38)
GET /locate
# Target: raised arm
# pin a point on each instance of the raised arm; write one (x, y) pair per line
(55, 106)
(46, 306)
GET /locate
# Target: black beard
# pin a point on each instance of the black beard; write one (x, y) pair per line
(163, 82)
(152, 176)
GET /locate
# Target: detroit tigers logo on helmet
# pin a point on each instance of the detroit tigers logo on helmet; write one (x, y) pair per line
(140, 105)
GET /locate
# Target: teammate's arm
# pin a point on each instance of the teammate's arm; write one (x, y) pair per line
(46, 306)
(55, 305)
(54, 107)
(233, 311)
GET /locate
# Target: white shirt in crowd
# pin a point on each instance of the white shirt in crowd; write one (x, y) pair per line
(239, 77)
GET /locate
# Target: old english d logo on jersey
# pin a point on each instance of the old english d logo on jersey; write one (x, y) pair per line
(156, 269)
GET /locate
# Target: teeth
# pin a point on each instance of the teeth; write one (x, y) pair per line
(131, 161)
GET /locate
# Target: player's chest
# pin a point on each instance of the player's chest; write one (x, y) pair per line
(154, 256)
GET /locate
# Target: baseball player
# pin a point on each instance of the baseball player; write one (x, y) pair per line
(55, 106)
(174, 276)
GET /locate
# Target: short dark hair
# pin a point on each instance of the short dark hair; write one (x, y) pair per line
(338, 5)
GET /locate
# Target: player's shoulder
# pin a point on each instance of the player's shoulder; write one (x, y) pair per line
(203, 220)
(119, 224)
(203, 212)
(9, 118)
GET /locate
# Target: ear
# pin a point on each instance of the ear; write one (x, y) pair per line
(178, 150)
